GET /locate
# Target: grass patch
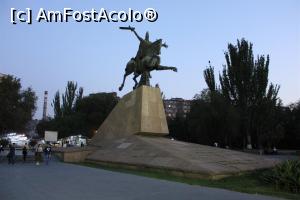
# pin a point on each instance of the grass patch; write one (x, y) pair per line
(247, 183)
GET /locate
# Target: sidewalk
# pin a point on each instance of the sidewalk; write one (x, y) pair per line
(61, 181)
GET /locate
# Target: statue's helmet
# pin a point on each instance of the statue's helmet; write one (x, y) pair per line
(147, 36)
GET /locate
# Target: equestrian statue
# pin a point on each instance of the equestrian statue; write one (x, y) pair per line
(146, 60)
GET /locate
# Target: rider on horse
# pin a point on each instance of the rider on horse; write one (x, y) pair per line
(146, 59)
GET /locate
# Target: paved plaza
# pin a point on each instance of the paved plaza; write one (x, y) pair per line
(62, 181)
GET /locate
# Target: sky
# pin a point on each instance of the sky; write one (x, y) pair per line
(94, 54)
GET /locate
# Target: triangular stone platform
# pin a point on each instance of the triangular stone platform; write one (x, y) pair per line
(128, 138)
(180, 158)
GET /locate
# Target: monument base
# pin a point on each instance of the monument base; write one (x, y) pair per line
(119, 143)
(138, 112)
(176, 157)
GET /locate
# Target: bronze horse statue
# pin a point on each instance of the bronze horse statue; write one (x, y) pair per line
(146, 60)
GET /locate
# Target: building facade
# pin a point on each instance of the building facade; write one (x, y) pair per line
(2, 76)
(177, 107)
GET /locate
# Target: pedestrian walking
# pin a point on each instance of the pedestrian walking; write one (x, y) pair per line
(38, 154)
(48, 152)
(1, 149)
(11, 154)
(24, 152)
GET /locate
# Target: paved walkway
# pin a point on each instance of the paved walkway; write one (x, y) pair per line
(61, 181)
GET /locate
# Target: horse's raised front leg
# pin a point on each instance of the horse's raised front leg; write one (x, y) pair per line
(122, 85)
(161, 67)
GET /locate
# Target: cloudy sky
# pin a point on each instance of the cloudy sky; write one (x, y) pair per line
(94, 54)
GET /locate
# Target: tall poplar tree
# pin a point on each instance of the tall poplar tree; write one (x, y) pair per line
(244, 83)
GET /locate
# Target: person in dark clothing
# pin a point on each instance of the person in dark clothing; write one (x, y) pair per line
(38, 154)
(48, 152)
(24, 152)
(11, 154)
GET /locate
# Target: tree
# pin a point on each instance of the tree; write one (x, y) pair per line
(56, 106)
(78, 114)
(71, 98)
(291, 122)
(212, 119)
(178, 128)
(65, 121)
(17, 106)
(244, 84)
(267, 123)
(94, 109)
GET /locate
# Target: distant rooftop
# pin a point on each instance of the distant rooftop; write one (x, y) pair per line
(176, 99)
(1, 75)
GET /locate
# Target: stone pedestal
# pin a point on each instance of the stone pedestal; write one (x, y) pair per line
(138, 112)
(122, 141)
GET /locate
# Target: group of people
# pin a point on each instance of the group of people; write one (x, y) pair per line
(38, 150)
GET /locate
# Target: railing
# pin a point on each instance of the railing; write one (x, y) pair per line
(18, 155)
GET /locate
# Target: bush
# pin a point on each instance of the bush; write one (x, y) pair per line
(285, 176)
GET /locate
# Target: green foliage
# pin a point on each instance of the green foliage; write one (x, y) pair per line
(177, 128)
(17, 106)
(243, 109)
(213, 119)
(244, 88)
(70, 98)
(94, 109)
(77, 114)
(291, 123)
(56, 105)
(267, 122)
(210, 78)
(285, 176)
